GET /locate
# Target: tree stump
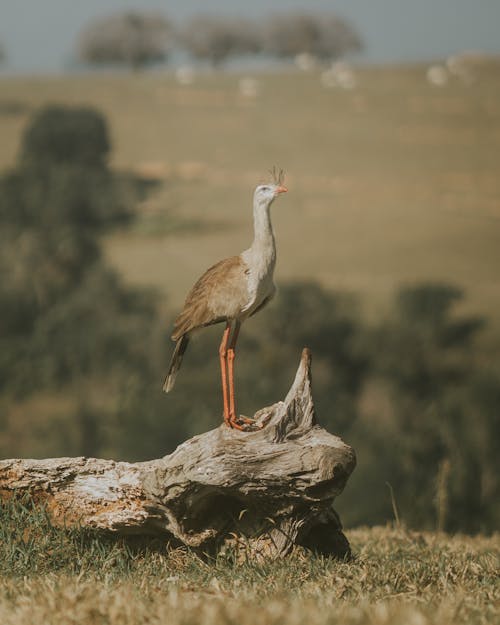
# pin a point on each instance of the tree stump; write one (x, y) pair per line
(265, 492)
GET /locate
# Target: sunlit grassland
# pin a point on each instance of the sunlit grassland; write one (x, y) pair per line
(392, 182)
(52, 576)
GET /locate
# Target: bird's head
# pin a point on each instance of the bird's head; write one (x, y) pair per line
(266, 193)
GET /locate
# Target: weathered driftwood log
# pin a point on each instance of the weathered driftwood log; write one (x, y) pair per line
(267, 490)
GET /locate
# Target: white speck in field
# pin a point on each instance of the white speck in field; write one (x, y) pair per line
(437, 75)
(339, 75)
(305, 61)
(185, 75)
(249, 87)
(344, 75)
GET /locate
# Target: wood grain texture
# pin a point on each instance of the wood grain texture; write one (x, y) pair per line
(266, 491)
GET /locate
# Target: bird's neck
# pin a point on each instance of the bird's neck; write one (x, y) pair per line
(263, 243)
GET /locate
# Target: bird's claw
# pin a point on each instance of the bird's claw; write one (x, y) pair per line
(245, 424)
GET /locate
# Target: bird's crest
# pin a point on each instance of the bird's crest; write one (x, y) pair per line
(278, 175)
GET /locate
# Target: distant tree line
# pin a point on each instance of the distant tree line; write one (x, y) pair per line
(138, 38)
(412, 393)
(130, 38)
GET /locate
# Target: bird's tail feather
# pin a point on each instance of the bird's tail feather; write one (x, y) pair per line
(175, 363)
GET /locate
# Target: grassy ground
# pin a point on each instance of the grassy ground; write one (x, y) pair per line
(394, 181)
(48, 576)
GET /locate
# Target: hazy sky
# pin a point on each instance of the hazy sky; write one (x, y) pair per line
(39, 35)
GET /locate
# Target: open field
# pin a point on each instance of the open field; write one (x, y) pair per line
(397, 577)
(394, 181)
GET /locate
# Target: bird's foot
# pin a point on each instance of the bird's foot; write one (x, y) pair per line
(245, 424)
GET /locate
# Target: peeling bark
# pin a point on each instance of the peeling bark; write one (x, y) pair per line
(265, 491)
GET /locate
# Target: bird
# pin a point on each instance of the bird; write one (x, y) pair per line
(229, 292)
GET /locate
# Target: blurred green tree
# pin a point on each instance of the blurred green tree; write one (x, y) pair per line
(425, 356)
(67, 322)
(469, 426)
(59, 135)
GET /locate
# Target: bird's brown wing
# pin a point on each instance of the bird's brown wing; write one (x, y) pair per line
(220, 294)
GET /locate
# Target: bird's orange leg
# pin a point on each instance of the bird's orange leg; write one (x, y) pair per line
(230, 368)
(223, 371)
(235, 421)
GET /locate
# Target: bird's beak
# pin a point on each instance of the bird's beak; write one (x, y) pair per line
(280, 189)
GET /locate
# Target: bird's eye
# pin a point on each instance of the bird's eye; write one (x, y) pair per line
(265, 188)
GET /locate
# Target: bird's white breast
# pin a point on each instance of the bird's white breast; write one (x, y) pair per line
(260, 269)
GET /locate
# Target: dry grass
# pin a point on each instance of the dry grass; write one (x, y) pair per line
(392, 182)
(397, 578)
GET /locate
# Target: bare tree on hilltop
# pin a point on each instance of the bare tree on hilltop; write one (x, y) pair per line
(130, 38)
(326, 37)
(215, 39)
